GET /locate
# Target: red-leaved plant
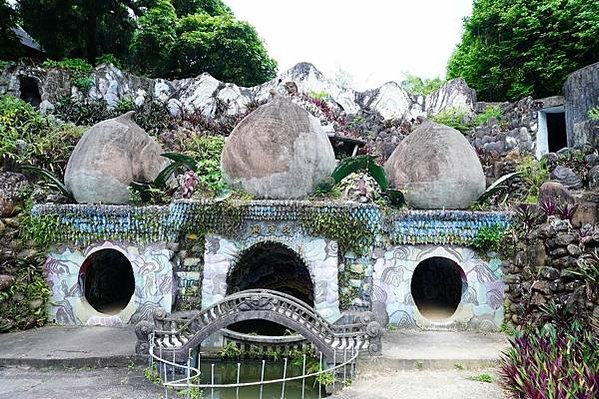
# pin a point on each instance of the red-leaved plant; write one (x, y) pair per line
(558, 360)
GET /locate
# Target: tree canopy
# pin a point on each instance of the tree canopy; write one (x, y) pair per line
(165, 38)
(514, 48)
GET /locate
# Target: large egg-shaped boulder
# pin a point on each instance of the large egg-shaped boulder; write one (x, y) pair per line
(279, 151)
(109, 156)
(436, 167)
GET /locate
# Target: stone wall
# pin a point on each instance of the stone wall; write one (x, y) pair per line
(582, 94)
(546, 268)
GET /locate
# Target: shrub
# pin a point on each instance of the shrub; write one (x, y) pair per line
(29, 137)
(455, 117)
(491, 112)
(557, 360)
(79, 68)
(489, 239)
(206, 150)
(535, 173)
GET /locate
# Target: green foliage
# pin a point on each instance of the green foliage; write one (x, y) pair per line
(594, 114)
(556, 360)
(206, 151)
(210, 7)
(109, 59)
(79, 68)
(489, 239)
(496, 186)
(151, 374)
(154, 37)
(490, 112)
(515, 48)
(455, 117)
(365, 163)
(9, 42)
(421, 87)
(228, 49)
(326, 378)
(351, 233)
(319, 95)
(482, 378)
(230, 351)
(28, 137)
(50, 177)
(535, 173)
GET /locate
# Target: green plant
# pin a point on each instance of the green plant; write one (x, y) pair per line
(455, 117)
(206, 151)
(108, 59)
(594, 114)
(496, 186)
(418, 86)
(535, 173)
(326, 378)
(151, 374)
(419, 364)
(79, 68)
(319, 95)
(489, 239)
(50, 177)
(365, 163)
(230, 351)
(482, 378)
(459, 366)
(191, 393)
(490, 112)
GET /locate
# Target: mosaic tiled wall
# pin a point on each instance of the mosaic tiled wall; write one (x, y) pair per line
(481, 307)
(153, 274)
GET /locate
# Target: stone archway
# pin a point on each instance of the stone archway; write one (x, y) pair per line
(223, 257)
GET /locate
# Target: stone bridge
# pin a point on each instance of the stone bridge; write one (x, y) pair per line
(178, 334)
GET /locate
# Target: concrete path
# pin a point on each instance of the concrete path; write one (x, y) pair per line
(106, 383)
(415, 349)
(423, 384)
(69, 347)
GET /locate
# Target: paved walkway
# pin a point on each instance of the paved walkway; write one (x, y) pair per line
(69, 347)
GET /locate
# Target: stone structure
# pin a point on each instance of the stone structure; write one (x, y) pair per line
(170, 245)
(436, 168)
(109, 156)
(582, 94)
(278, 151)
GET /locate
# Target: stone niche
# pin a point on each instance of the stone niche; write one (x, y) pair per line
(108, 284)
(438, 287)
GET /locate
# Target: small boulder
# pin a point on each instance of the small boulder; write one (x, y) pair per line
(278, 151)
(109, 156)
(567, 177)
(6, 281)
(11, 184)
(556, 192)
(436, 167)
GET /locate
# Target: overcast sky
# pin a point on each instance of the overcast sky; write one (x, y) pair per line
(373, 40)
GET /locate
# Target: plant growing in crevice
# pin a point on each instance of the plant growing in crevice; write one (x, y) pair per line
(489, 239)
(535, 173)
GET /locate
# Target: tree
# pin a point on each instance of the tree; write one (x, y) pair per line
(515, 48)
(228, 49)
(81, 28)
(210, 7)
(154, 38)
(9, 42)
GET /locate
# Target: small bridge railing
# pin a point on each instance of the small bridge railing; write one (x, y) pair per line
(176, 335)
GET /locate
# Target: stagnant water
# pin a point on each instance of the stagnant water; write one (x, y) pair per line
(225, 372)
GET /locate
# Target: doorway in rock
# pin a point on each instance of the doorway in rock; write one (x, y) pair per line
(30, 91)
(106, 279)
(556, 131)
(437, 286)
(275, 267)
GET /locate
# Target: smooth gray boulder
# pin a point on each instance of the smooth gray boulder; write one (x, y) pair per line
(279, 151)
(436, 167)
(109, 156)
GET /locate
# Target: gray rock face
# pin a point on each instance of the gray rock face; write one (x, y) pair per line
(109, 156)
(278, 151)
(566, 177)
(594, 177)
(436, 168)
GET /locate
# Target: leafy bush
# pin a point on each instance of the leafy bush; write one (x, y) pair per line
(535, 173)
(28, 137)
(489, 239)
(416, 85)
(558, 360)
(206, 150)
(455, 117)
(80, 69)
(491, 112)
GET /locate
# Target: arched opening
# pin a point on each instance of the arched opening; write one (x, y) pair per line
(275, 267)
(437, 286)
(106, 278)
(30, 91)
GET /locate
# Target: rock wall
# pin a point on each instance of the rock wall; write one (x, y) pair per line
(582, 94)
(547, 268)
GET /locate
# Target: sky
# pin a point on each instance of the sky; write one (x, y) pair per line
(371, 41)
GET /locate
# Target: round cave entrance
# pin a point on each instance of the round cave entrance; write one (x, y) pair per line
(106, 278)
(437, 286)
(275, 267)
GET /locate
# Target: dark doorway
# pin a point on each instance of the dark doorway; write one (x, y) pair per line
(30, 91)
(437, 286)
(556, 131)
(106, 278)
(275, 267)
